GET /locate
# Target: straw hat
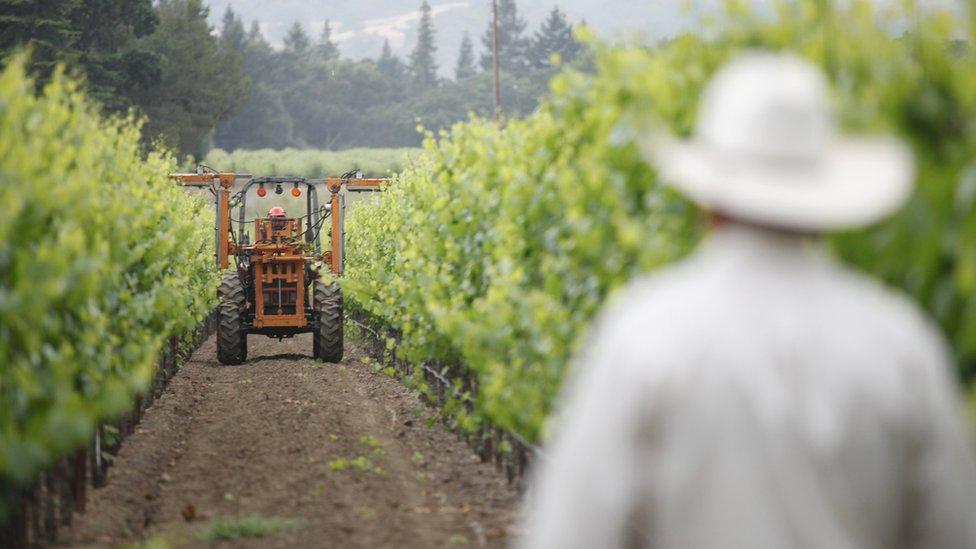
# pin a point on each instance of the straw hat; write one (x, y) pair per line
(766, 150)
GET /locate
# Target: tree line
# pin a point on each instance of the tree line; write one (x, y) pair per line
(231, 89)
(158, 59)
(308, 95)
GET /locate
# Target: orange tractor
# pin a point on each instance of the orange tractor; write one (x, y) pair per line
(271, 284)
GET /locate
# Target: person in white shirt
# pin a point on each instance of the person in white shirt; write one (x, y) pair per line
(760, 394)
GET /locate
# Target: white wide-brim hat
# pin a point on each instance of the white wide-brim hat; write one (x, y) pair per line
(766, 151)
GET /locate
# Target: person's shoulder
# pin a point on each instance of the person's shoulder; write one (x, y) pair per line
(669, 293)
(649, 320)
(889, 313)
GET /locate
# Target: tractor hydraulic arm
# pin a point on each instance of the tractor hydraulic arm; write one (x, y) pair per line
(221, 185)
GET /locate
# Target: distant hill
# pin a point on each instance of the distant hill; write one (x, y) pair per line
(361, 25)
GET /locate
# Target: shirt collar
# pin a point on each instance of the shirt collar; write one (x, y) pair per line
(737, 239)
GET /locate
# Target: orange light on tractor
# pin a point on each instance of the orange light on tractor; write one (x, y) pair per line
(295, 191)
(261, 191)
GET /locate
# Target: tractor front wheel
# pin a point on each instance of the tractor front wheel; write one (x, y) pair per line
(231, 337)
(327, 338)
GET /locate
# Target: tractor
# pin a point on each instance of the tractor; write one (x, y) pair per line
(271, 283)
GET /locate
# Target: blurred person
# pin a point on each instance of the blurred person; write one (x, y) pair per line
(277, 211)
(760, 394)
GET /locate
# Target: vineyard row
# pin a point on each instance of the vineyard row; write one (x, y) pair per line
(103, 263)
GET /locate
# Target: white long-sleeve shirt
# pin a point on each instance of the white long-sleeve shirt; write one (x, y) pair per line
(758, 395)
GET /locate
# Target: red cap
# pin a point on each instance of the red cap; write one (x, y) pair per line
(277, 211)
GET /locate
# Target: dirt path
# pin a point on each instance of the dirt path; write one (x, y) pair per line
(344, 450)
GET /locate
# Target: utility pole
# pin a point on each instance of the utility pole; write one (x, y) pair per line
(494, 48)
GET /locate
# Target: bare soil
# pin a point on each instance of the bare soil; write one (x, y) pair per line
(230, 441)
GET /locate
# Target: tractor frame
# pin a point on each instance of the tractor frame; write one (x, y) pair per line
(274, 285)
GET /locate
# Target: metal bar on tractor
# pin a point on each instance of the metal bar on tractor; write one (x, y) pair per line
(342, 229)
(218, 214)
(194, 179)
(336, 234)
(223, 219)
(358, 184)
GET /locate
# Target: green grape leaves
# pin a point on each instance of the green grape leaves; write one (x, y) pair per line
(102, 259)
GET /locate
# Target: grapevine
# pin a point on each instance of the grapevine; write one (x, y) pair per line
(102, 259)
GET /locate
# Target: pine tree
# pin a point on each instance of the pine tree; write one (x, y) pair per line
(388, 64)
(176, 111)
(554, 37)
(254, 34)
(98, 39)
(328, 49)
(297, 41)
(116, 67)
(43, 25)
(465, 62)
(423, 68)
(263, 121)
(258, 57)
(232, 35)
(512, 43)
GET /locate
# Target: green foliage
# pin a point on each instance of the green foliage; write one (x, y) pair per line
(263, 120)
(513, 45)
(314, 99)
(496, 248)
(423, 68)
(43, 25)
(158, 58)
(326, 48)
(116, 68)
(317, 100)
(201, 82)
(250, 526)
(465, 61)
(361, 463)
(297, 42)
(554, 40)
(97, 37)
(232, 34)
(370, 441)
(101, 260)
(390, 65)
(311, 163)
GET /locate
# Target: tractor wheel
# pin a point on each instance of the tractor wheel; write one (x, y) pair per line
(327, 338)
(231, 337)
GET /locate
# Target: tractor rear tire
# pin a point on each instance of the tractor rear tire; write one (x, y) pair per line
(231, 337)
(327, 339)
